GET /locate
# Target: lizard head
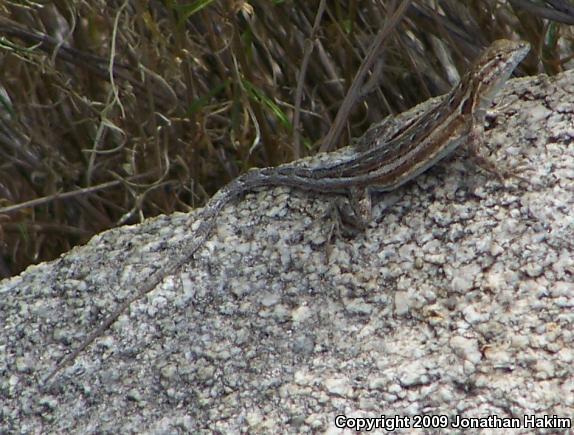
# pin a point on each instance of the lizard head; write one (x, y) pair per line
(490, 71)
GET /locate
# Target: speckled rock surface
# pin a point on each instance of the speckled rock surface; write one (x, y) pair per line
(457, 302)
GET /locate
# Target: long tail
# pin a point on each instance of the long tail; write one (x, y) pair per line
(208, 218)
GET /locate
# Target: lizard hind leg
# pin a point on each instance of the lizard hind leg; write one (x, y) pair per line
(350, 214)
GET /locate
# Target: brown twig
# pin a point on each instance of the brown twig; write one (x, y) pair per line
(354, 92)
(301, 79)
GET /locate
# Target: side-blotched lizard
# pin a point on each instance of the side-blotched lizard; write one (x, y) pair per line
(382, 160)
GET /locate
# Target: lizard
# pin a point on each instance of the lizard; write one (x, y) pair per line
(387, 156)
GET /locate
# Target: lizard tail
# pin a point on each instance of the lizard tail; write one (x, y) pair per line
(208, 216)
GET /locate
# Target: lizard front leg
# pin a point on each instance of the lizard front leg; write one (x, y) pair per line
(475, 141)
(475, 144)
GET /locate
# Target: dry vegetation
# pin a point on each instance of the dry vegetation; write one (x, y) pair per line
(112, 111)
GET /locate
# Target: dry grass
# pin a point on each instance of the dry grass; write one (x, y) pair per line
(112, 111)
